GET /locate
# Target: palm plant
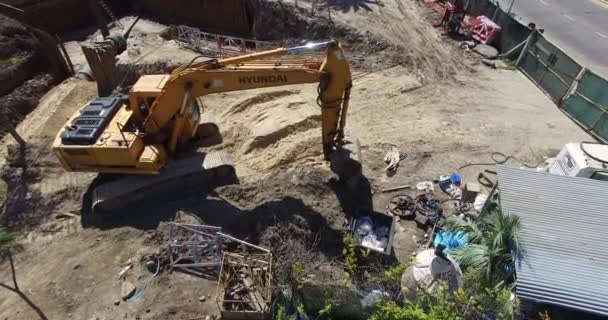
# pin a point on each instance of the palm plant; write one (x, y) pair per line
(494, 242)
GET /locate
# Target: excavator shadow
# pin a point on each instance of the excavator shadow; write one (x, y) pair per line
(116, 197)
(274, 223)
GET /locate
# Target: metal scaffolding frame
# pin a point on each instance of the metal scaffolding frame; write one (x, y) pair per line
(214, 44)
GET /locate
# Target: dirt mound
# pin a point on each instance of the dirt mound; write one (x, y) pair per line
(24, 70)
(268, 129)
(376, 36)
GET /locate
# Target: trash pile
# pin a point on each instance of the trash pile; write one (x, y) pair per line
(373, 234)
(428, 210)
(425, 207)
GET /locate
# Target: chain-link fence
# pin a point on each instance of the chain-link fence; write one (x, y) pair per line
(576, 90)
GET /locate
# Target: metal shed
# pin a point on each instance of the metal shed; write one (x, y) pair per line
(565, 237)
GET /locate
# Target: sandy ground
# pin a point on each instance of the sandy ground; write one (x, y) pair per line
(442, 117)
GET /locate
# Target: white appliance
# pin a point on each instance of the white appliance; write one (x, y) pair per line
(585, 159)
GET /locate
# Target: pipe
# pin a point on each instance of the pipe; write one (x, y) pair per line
(11, 7)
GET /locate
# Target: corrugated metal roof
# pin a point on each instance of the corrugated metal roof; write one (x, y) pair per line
(565, 237)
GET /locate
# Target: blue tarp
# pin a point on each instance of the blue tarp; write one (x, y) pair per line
(451, 240)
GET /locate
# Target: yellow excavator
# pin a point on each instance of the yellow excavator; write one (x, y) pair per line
(140, 136)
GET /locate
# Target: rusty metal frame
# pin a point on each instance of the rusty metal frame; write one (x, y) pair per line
(194, 246)
(231, 264)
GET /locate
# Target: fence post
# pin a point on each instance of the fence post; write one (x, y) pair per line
(65, 55)
(573, 86)
(496, 11)
(525, 49)
(510, 7)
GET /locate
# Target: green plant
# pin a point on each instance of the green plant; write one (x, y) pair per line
(544, 315)
(394, 273)
(482, 299)
(7, 239)
(280, 314)
(493, 243)
(297, 272)
(390, 310)
(473, 301)
(328, 309)
(441, 306)
(351, 259)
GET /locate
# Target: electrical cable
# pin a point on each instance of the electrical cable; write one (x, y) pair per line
(501, 161)
(140, 292)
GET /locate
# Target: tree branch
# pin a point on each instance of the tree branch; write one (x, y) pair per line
(7, 287)
(12, 264)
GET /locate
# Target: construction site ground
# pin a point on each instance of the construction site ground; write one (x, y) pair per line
(439, 105)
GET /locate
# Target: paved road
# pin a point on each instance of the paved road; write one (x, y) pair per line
(579, 27)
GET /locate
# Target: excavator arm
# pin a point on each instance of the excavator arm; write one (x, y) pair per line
(168, 114)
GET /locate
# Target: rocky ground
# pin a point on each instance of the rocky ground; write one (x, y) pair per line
(432, 101)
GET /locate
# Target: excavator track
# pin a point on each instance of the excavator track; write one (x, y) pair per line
(193, 170)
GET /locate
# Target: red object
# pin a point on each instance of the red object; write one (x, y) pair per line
(484, 30)
(450, 10)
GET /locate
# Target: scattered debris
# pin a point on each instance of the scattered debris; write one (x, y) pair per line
(486, 50)
(498, 64)
(405, 186)
(392, 158)
(402, 206)
(426, 186)
(374, 232)
(244, 289)
(450, 240)
(65, 215)
(451, 185)
(470, 192)
(127, 290)
(151, 265)
(428, 210)
(432, 268)
(123, 271)
(194, 246)
(484, 30)
(480, 201)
